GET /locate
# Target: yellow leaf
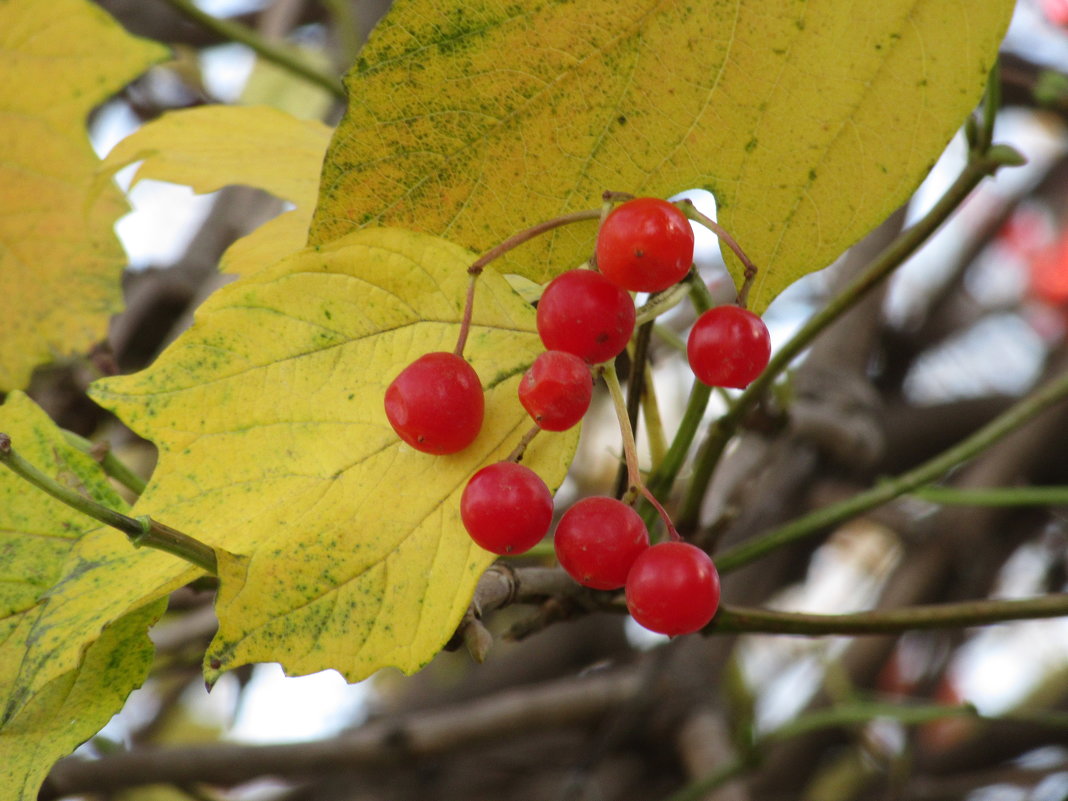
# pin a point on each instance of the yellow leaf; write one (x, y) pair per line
(274, 444)
(60, 263)
(72, 708)
(810, 121)
(210, 147)
(45, 714)
(267, 244)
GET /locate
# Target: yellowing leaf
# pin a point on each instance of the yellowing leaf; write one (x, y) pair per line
(810, 121)
(72, 708)
(274, 444)
(60, 263)
(267, 244)
(210, 147)
(43, 716)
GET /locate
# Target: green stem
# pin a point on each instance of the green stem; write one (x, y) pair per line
(281, 55)
(112, 465)
(860, 712)
(635, 391)
(930, 471)
(630, 449)
(750, 270)
(670, 338)
(654, 423)
(667, 470)
(661, 303)
(142, 531)
(993, 496)
(895, 254)
(738, 620)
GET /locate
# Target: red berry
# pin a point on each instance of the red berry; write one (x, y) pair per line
(584, 313)
(556, 390)
(506, 508)
(728, 347)
(436, 403)
(1049, 273)
(673, 588)
(597, 541)
(645, 245)
(1056, 11)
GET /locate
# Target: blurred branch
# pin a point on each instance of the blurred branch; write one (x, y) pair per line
(979, 166)
(1025, 83)
(735, 620)
(1024, 410)
(567, 702)
(284, 57)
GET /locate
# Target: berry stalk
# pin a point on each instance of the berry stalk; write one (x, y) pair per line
(690, 210)
(630, 449)
(512, 242)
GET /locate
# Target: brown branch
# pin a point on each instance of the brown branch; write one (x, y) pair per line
(564, 703)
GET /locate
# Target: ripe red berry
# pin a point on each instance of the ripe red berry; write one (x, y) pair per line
(645, 245)
(584, 313)
(436, 403)
(506, 508)
(556, 390)
(673, 588)
(597, 541)
(1056, 11)
(728, 347)
(1049, 273)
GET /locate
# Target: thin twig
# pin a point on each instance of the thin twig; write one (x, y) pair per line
(1013, 418)
(893, 256)
(141, 531)
(284, 57)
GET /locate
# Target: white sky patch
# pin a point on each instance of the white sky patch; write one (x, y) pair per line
(276, 708)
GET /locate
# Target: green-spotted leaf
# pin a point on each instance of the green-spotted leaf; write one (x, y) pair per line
(45, 713)
(274, 444)
(810, 121)
(73, 707)
(60, 263)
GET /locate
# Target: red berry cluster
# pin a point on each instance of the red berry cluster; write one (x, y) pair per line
(586, 318)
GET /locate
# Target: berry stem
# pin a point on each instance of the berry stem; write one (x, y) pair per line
(662, 302)
(465, 321)
(654, 423)
(610, 197)
(526, 235)
(630, 448)
(979, 166)
(517, 452)
(635, 390)
(512, 242)
(141, 531)
(663, 476)
(690, 210)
